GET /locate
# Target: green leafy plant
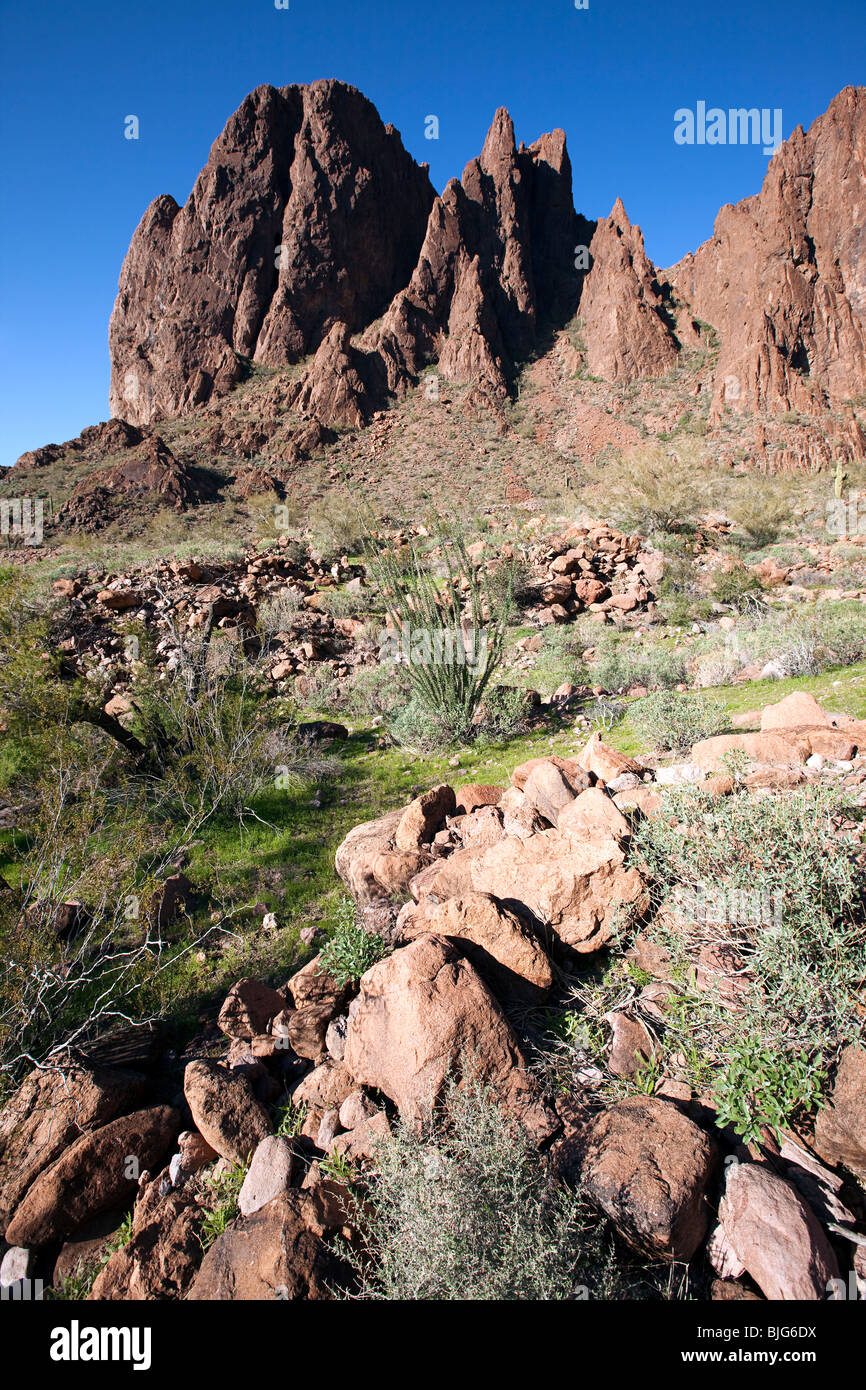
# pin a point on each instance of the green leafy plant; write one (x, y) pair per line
(350, 949)
(222, 1191)
(765, 1087)
(670, 719)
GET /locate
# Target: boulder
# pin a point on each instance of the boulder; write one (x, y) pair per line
(472, 796)
(840, 1129)
(248, 1009)
(423, 817)
(593, 816)
(97, 1172)
(574, 886)
(318, 999)
(162, 1257)
(648, 1167)
(52, 1107)
(424, 1014)
(369, 865)
(225, 1110)
(504, 950)
(604, 762)
(269, 1173)
(775, 1234)
(571, 770)
(799, 710)
(786, 750)
(548, 791)
(270, 1255)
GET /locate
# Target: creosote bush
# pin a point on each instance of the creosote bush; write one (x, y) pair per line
(469, 1210)
(671, 720)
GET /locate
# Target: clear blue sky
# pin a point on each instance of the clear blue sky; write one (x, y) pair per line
(612, 76)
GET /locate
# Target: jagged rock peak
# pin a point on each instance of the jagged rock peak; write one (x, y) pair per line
(309, 211)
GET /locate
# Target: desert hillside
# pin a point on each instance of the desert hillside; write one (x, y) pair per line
(433, 743)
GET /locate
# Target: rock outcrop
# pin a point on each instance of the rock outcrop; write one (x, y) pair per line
(783, 277)
(625, 322)
(308, 212)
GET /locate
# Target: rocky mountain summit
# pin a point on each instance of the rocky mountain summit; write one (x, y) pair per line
(310, 223)
(315, 287)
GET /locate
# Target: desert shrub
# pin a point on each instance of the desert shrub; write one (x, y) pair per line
(620, 663)
(453, 631)
(761, 515)
(345, 603)
(221, 1192)
(653, 489)
(673, 720)
(791, 860)
(604, 712)
(735, 584)
(842, 637)
(681, 598)
(510, 583)
(337, 525)
(277, 614)
(470, 1210)
(350, 949)
(503, 713)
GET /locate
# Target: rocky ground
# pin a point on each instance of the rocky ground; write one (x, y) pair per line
(486, 901)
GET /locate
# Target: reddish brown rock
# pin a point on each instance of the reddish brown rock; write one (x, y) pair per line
(423, 817)
(648, 1167)
(162, 1257)
(593, 816)
(782, 278)
(423, 1014)
(625, 323)
(840, 1129)
(371, 867)
(271, 1255)
(472, 796)
(52, 1108)
(95, 1173)
(605, 762)
(504, 951)
(248, 1009)
(225, 1111)
(308, 212)
(775, 1234)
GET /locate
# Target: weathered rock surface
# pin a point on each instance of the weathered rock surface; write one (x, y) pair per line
(626, 325)
(783, 278)
(775, 1234)
(93, 1174)
(506, 953)
(50, 1109)
(309, 212)
(424, 1013)
(161, 1259)
(225, 1111)
(648, 1167)
(840, 1128)
(269, 1255)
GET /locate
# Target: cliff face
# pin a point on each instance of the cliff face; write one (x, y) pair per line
(311, 225)
(308, 211)
(783, 278)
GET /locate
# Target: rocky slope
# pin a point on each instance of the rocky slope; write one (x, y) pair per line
(314, 281)
(783, 278)
(502, 887)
